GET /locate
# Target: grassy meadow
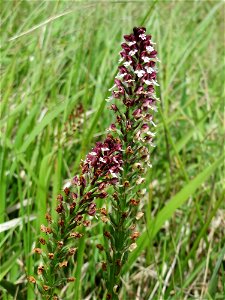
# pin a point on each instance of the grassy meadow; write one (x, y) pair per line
(58, 60)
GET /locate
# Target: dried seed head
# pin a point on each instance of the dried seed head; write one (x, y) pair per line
(74, 196)
(139, 215)
(132, 227)
(104, 266)
(51, 255)
(118, 262)
(140, 180)
(60, 244)
(103, 211)
(61, 222)
(72, 207)
(78, 219)
(48, 217)
(71, 279)
(134, 202)
(45, 229)
(132, 247)
(31, 279)
(72, 251)
(60, 198)
(42, 241)
(141, 192)
(63, 264)
(115, 289)
(107, 234)
(67, 191)
(60, 208)
(115, 196)
(137, 166)
(104, 219)
(126, 184)
(92, 209)
(135, 235)
(125, 214)
(45, 287)
(76, 235)
(100, 247)
(40, 270)
(86, 223)
(37, 250)
(129, 150)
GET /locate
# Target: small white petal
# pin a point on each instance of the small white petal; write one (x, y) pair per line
(127, 63)
(149, 70)
(151, 133)
(132, 52)
(114, 175)
(131, 43)
(132, 247)
(140, 180)
(149, 48)
(93, 153)
(102, 160)
(146, 59)
(155, 82)
(148, 82)
(139, 73)
(142, 36)
(139, 215)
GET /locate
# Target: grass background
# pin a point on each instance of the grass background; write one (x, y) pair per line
(56, 55)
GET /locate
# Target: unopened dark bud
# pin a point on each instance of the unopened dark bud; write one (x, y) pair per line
(100, 247)
(67, 191)
(107, 234)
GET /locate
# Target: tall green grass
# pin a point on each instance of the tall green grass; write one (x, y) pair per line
(56, 55)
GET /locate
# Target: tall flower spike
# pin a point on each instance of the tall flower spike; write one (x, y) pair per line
(77, 203)
(134, 105)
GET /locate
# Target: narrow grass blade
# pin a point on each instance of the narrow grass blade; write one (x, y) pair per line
(168, 210)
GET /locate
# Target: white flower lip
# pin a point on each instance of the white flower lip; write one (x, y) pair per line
(139, 73)
(127, 63)
(131, 43)
(146, 59)
(155, 82)
(148, 82)
(142, 36)
(132, 52)
(102, 160)
(149, 70)
(149, 48)
(104, 149)
(93, 153)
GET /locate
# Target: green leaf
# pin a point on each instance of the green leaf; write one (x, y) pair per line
(214, 279)
(168, 210)
(12, 289)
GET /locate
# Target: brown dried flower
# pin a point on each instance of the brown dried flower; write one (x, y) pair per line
(31, 279)
(63, 264)
(37, 250)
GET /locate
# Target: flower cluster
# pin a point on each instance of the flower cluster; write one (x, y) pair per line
(74, 207)
(134, 105)
(121, 162)
(135, 86)
(105, 160)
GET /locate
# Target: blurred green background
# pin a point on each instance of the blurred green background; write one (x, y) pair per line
(58, 56)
